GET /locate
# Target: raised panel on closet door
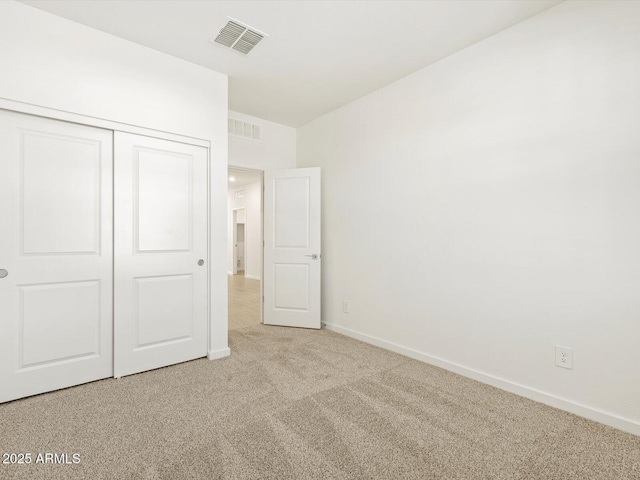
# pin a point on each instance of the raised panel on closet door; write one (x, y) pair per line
(56, 250)
(161, 266)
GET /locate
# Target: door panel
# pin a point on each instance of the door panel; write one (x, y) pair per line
(292, 248)
(56, 245)
(60, 194)
(291, 286)
(291, 212)
(72, 325)
(160, 297)
(163, 202)
(164, 312)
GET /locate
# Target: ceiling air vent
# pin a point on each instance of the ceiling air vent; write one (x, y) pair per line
(247, 130)
(238, 36)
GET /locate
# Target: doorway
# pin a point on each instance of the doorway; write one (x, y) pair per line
(245, 248)
(239, 240)
(277, 282)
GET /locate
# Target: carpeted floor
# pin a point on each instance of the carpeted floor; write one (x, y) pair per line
(298, 404)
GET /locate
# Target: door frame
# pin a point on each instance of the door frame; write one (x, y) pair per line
(114, 126)
(234, 226)
(261, 279)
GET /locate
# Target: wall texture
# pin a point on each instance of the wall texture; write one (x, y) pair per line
(52, 62)
(486, 208)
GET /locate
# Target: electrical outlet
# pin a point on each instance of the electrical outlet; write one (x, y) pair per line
(564, 357)
(346, 306)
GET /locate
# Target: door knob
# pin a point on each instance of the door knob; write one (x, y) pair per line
(314, 256)
(3, 273)
(200, 262)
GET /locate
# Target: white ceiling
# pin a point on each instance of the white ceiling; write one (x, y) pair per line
(319, 55)
(243, 177)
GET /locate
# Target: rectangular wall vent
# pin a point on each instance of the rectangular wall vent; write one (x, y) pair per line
(250, 131)
(238, 36)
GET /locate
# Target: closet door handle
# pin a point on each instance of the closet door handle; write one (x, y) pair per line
(313, 256)
(3, 273)
(200, 262)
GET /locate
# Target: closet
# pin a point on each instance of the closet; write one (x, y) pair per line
(103, 253)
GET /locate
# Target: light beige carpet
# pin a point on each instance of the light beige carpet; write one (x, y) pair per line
(300, 404)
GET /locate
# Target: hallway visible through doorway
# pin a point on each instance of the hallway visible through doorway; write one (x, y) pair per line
(244, 302)
(245, 248)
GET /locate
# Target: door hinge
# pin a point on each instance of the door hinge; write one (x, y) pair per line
(262, 298)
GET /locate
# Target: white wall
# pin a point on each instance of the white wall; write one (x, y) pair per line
(252, 203)
(511, 172)
(56, 63)
(276, 150)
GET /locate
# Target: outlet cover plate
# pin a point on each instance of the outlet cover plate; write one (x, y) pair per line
(346, 306)
(564, 357)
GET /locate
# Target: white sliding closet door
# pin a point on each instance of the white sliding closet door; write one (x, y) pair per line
(55, 255)
(160, 284)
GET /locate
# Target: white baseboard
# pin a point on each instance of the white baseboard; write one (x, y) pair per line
(252, 277)
(570, 406)
(217, 354)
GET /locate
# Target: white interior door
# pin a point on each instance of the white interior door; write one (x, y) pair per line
(160, 285)
(292, 247)
(55, 255)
